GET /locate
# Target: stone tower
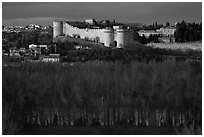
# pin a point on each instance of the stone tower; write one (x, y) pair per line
(109, 37)
(57, 28)
(120, 37)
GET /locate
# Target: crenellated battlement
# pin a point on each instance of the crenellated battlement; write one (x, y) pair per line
(84, 29)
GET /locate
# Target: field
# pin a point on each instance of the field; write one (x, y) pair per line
(182, 46)
(77, 40)
(165, 95)
(103, 131)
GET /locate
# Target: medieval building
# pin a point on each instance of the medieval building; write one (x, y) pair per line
(115, 36)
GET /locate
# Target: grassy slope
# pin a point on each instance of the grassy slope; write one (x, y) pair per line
(78, 40)
(102, 131)
(181, 46)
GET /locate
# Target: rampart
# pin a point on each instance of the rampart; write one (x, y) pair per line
(108, 36)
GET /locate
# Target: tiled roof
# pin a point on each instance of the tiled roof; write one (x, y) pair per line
(147, 31)
(169, 27)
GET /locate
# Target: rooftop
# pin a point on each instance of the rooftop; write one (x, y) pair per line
(147, 31)
(169, 27)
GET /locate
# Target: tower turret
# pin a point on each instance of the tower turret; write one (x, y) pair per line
(57, 28)
(108, 37)
(121, 39)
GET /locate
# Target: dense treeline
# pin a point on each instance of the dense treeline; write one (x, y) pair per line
(144, 40)
(132, 52)
(188, 32)
(159, 94)
(63, 47)
(184, 32)
(154, 26)
(23, 39)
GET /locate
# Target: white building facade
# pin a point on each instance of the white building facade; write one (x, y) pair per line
(147, 33)
(167, 31)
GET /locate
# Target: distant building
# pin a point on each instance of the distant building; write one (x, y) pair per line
(37, 49)
(4, 52)
(22, 50)
(105, 21)
(13, 51)
(34, 26)
(167, 31)
(78, 47)
(37, 46)
(116, 27)
(147, 33)
(90, 21)
(95, 27)
(51, 58)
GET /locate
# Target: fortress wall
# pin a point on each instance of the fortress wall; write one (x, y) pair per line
(115, 36)
(106, 36)
(89, 33)
(64, 27)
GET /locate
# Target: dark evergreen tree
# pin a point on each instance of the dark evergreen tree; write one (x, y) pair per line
(167, 24)
(188, 32)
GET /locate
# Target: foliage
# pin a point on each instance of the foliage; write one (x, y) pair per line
(167, 93)
(188, 32)
(23, 39)
(135, 51)
(144, 40)
(153, 26)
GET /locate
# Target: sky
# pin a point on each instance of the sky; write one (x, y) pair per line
(24, 13)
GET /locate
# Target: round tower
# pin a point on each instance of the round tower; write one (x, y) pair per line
(64, 27)
(108, 37)
(121, 37)
(57, 28)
